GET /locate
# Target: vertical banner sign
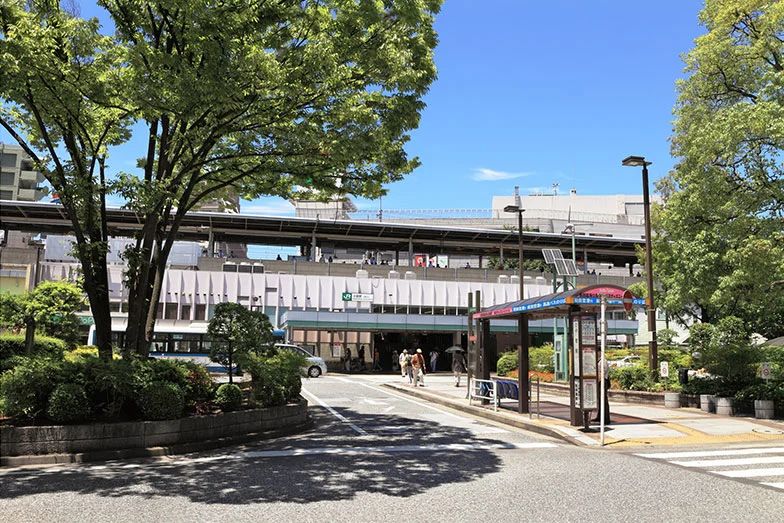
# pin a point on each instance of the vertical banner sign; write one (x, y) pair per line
(585, 363)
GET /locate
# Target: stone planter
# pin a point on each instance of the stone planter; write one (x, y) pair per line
(763, 409)
(724, 406)
(672, 400)
(691, 401)
(707, 403)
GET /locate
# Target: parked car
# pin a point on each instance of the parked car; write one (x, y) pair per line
(626, 361)
(316, 366)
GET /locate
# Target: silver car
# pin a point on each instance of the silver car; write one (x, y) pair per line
(316, 366)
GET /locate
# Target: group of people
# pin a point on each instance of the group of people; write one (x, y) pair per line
(350, 364)
(413, 366)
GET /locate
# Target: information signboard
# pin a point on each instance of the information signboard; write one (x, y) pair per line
(664, 369)
(590, 394)
(589, 363)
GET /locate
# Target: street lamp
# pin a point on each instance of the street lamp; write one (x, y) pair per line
(571, 228)
(522, 351)
(653, 353)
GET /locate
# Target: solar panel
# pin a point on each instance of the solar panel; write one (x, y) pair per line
(566, 268)
(550, 255)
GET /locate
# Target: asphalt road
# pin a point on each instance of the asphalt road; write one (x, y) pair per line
(375, 455)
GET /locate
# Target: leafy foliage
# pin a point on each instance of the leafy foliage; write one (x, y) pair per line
(160, 400)
(25, 389)
(68, 404)
(236, 331)
(14, 345)
(228, 397)
(277, 379)
(725, 348)
(719, 247)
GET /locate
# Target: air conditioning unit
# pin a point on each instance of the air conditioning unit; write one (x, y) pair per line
(409, 275)
(362, 273)
(514, 279)
(229, 267)
(393, 275)
(503, 278)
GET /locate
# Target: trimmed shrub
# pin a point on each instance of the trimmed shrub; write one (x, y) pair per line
(161, 400)
(109, 385)
(276, 380)
(68, 404)
(192, 378)
(506, 363)
(25, 389)
(634, 377)
(542, 359)
(228, 397)
(14, 345)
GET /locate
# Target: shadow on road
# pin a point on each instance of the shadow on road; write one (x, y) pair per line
(232, 478)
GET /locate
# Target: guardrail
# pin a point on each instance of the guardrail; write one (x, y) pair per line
(496, 389)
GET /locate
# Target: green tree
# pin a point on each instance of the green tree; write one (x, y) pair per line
(236, 331)
(53, 306)
(60, 99)
(235, 98)
(12, 311)
(719, 245)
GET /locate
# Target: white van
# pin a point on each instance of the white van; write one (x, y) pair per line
(316, 366)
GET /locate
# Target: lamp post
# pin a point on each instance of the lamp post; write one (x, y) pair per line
(653, 353)
(522, 351)
(571, 228)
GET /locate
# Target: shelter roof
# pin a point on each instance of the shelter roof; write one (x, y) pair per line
(551, 304)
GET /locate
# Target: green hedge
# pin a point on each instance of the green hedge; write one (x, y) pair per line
(539, 358)
(228, 397)
(14, 345)
(275, 380)
(68, 404)
(161, 400)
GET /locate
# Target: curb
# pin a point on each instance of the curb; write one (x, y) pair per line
(182, 448)
(531, 426)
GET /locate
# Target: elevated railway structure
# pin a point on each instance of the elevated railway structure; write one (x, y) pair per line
(405, 238)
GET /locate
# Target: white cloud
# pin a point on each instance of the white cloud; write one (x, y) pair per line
(489, 175)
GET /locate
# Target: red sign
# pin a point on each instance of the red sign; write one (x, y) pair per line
(610, 292)
(627, 300)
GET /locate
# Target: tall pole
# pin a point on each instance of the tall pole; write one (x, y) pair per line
(602, 377)
(522, 351)
(653, 352)
(470, 344)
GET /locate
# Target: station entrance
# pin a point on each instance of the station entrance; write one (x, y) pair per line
(389, 342)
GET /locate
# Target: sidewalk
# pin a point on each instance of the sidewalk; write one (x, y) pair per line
(633, 425)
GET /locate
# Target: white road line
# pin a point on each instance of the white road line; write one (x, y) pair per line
(750, 473)
(706, 463)
(335, 413)
(774, 485)
(388, 393)
(358, 451)
(709, 453)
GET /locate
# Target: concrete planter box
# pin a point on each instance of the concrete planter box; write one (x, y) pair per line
(707, 403)
(691, 401)
(672, 400)
(763, 409)
(725, 406)
(103, 437)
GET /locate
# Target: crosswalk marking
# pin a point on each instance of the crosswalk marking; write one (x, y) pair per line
(709, 453)
(750, 473)
(736, 463)
(705, 463)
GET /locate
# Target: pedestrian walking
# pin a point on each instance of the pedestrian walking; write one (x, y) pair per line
(361, 355)
(406, 367)
(376, 359)
(348, 359)
(434, 360)
(419, 368)
(395, 360)
(458, 366)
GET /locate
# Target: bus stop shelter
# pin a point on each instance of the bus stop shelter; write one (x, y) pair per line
(585, 310)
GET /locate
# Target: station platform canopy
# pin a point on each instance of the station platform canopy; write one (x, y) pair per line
(559, 303)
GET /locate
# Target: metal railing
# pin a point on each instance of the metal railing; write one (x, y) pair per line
(483, 389)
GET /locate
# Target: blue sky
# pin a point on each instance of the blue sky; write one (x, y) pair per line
(533, 93)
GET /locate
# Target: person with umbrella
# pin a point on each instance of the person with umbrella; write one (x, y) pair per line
(458, 362)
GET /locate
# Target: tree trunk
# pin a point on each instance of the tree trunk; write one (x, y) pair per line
(231, 366)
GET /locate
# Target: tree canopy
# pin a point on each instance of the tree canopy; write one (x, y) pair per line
(235, 98)
(719, 240)
(236, 331)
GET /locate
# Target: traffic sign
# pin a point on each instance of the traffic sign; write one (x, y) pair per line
(628, 300)
(765, 371)
(664, 369)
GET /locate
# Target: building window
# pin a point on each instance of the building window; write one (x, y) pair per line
(7, 178)
(200, 314)
(185, 312)
(8, 160)
(170, 313)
